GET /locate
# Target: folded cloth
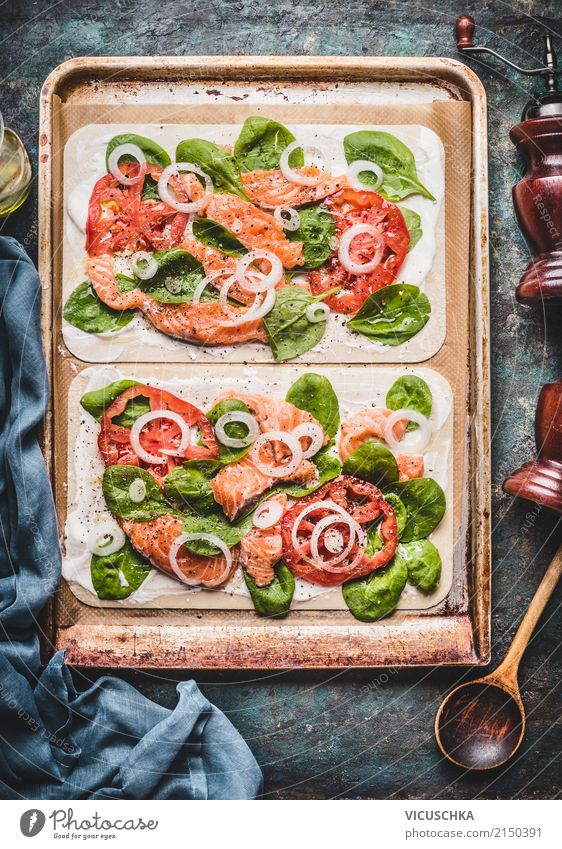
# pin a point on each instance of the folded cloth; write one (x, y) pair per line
(109, 742)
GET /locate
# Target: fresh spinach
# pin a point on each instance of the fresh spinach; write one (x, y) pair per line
(289, 331)
(316, 231)
(124, 283)
(208, 467)
(215, 523)
(377, 595)
(235, 430)
(392, 315)
(116, 576)
(176, 279)
(275, 599)
(261, 143)
(150, 189)
(87, 312)
(214, 160)
(189, 488)
(374, 539)
(116, 483)
(134, 409)
(413, 223)
(410, 392)
(425, 505)
(328, 467)
(315, 394)
(372, 462)
(216, 236)
(400, 176)
(96, 402)
(423, 563)
(152, 151)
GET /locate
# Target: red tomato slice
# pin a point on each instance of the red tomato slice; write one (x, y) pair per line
(350, 207)
(114, 440)
(364, 503)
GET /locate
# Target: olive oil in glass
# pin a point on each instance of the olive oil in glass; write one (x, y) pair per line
(15, 171)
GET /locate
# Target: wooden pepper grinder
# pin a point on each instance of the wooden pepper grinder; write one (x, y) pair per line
(540, 480)
(537, 198)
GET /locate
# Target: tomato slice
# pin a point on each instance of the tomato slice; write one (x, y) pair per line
(114, 440)
(364, 503)
(351, 207)
(120, 219)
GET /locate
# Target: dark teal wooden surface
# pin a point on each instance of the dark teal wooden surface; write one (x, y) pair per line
(360, 733)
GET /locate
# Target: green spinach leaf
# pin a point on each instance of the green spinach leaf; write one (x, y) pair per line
(116, 483)
(425, 505)
(316, 231)
(151, 149)
(97, 401)
(124, 283)
(116, 576)
(315, 394)
(150, 189)
(235, 430)
(87, 312)
(400, 176)
(214, 160)
(218, 237)
(374, 540)
(372, 462)
(189, 488)
(176, 279)
(377, 595)
(413, 223)
(423, 563)
(328, 467)
(215, 523)
(410, 392)
(289, 331)
(261, 143)
(392, 315)
(274, 600)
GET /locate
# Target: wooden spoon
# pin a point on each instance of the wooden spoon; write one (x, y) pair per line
(480, 725)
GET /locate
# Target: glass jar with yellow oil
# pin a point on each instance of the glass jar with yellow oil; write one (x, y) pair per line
(15, 171)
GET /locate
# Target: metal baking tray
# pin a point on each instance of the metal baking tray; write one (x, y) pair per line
(455, 631)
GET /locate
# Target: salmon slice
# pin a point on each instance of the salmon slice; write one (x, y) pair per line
(154, 539)
(410, 466)
(363, 426)
(271, 188)
(254, 228)
(198, 323)
(239, 485)
(261, 548)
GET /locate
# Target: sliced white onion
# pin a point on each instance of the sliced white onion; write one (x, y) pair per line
(142, 421)
(137, 491)
(213, 540)
(263, 282)
(302, 179)
(261, 306)
(363, 165)
(316, 435)
(236, 416)
(285, 469)
(200, 288)
(174, 170)
(287, 217)
(345, 243)
(333, 540)
(356, 536)
(106, 538)
(420, 436)
(147, 271)
(267, 514)
(316, 313)
(126, 150)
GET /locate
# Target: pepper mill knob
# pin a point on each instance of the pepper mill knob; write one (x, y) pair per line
(464, 28)
(540, 480)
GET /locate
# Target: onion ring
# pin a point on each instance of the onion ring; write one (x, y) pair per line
(137, 491)
(267, 514)
(423, 433)
(174, 171)
(292, 444)
(103, 530)
(287, 217)
(356, 536)
(213, 540)
(347, 238)
(316, 435)
(316, 313)
(265, 282)
(356, 168)
(147, 272)
(261, 306)
(236, 416)
(292, 175)
(142, 421)
(126, 150)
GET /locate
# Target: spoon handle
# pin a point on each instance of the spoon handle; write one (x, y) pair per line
(508, 669)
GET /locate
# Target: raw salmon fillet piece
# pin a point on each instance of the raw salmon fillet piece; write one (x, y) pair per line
(271, 188)
(153, 540)
(410, 466)
(261, 548)
(363, 426)
(272, 413)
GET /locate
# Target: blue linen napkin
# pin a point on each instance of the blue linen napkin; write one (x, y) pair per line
(109, 742)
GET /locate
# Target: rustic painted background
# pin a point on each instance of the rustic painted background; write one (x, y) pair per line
(359, 733)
